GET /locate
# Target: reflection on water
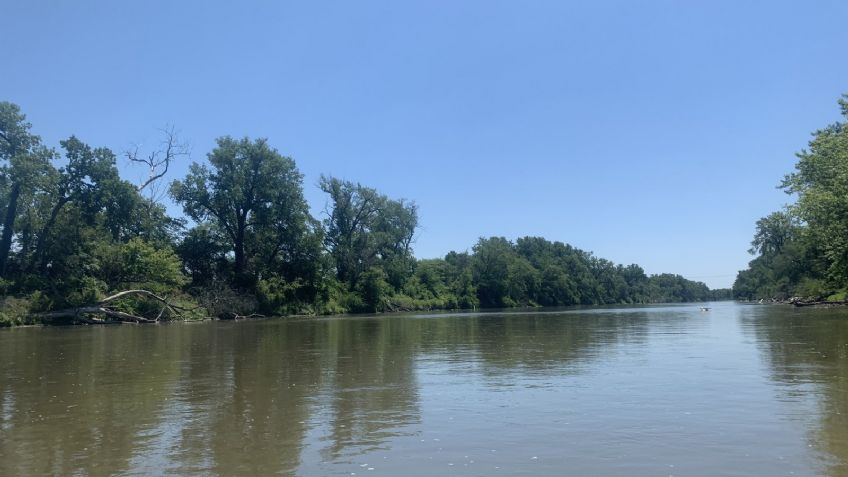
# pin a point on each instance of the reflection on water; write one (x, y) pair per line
(807, 352)
(741, 390)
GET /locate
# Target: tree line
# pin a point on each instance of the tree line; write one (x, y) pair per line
(78, 236)
(802, 251)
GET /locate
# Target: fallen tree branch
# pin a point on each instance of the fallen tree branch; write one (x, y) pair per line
(146, 293)
(125, 316)
(800, 303)
(236, 316)
(76, 314)
(101, 308)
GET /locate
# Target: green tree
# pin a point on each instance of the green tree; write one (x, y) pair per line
(365, 229)
(459, 278)
(803, 251)
(203, 252)
(821, 182)
(492, 259)
(773, 232)
(254, 195)
(24, 161)
(82, 181)
(138, 264)
(373, 289)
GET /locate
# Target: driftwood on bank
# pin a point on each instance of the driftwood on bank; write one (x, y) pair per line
(801, 301)
(235, 316)
(102, 308)
(819, 303)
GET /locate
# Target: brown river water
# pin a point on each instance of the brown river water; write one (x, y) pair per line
(740, 390)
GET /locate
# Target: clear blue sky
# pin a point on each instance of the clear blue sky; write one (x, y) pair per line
(648, 132)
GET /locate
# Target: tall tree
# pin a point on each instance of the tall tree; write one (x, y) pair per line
(773, 233)
(493, 259)
(364, 229)
(250, 192)
(803, 251)
(23, 161)
(821, 182)
(82, 180)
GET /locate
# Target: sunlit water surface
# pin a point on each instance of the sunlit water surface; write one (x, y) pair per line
(741, 390)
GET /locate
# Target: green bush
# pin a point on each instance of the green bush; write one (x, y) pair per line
(811, 289)
(841, 295)
(374, 290)
(278, 297)
(88, 290)
(139, 264)
(15, 312)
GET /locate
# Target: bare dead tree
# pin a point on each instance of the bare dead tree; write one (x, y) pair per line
(157, 162)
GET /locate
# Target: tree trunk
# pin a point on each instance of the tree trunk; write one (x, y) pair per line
(239, 251)
(238, 247)
(9, 228)
(37, 256)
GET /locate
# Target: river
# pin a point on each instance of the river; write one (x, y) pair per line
(740, 390)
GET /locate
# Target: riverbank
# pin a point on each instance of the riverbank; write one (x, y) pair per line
(823, 303)
(797, 302)
(8, 320)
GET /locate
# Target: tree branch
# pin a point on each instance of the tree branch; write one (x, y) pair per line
(158, 162)
(101, 308)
